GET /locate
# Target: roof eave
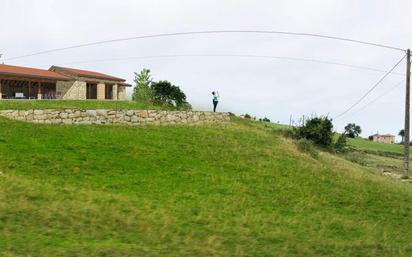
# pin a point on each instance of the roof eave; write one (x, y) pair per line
(125, 85)
(29, 76)
(102, 78)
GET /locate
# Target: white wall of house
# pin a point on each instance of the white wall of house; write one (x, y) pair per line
(384, 139)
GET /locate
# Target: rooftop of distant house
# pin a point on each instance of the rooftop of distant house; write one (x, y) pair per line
(383, 135)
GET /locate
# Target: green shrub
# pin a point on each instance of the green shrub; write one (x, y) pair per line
(142, 92)
(162, 92)
(341, 144)
(166, 93)
(356, 157)
(318, 130)
(307, 146)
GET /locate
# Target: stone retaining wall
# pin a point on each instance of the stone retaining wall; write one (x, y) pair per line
(103, 116)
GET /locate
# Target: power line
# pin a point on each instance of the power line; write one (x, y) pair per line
(378, 97)
(207, 32)
(234, 55)
(370, 90)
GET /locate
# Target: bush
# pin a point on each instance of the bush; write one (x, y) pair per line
(356, 157)
(161, 92)
(265, 119)
(341, 144)
(307, 146)
(166, 93)
(318, 130)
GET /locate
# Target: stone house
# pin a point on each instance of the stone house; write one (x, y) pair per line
(386, 138)
(18, 82)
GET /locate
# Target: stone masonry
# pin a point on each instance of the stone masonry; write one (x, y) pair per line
(100, 91)
(71, 90)
(104, 116)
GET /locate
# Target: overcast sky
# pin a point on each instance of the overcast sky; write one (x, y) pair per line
(261, 87)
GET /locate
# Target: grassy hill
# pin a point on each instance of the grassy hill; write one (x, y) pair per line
(239, 189)
(370, 146)
(379, 156)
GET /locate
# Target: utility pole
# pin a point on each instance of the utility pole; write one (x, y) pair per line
(407, 115)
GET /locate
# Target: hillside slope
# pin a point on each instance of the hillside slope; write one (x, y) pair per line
(386, 158)
(217, 190)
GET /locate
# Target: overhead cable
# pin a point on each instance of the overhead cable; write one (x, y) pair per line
(370, 90)
(175, 34)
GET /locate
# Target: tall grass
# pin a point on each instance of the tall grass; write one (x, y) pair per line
(221, 190)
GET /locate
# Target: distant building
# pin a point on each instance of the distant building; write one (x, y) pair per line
(386, 138)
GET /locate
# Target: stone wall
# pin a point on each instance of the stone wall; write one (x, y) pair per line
(103, 116)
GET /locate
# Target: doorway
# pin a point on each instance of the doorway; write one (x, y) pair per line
(91, 91)
(108, 91)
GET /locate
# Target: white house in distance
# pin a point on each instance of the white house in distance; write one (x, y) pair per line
(386, 138)
(18, 82)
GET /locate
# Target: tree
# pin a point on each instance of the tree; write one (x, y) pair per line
(317, 129)
(142, 91)
(265, 119)
(402, 134)
(166, 93)
(352, 130)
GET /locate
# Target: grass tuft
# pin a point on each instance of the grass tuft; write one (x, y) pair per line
(307, 146)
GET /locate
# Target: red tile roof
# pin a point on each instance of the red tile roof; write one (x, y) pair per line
(29, 73)
(87, 74)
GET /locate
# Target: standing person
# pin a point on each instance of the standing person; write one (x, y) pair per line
(215, 98)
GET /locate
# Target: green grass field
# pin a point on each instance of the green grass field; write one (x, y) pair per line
(365, 144)
(75, 104)
(379, 156)
(239, 189)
